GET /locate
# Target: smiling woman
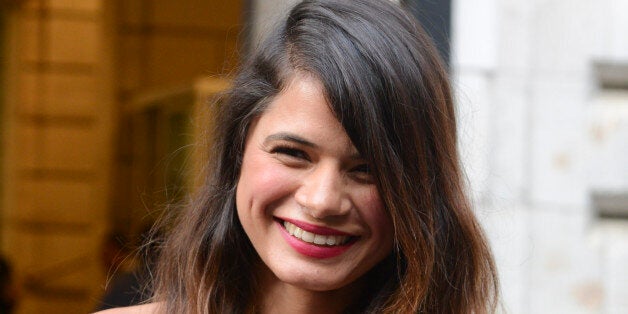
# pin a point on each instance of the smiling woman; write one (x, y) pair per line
(305, 199)
(335, 185)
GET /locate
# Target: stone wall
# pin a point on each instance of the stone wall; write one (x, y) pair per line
(541, 132)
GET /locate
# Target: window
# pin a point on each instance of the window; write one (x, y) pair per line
(608, 142)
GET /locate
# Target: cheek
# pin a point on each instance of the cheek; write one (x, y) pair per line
(376, 215)
(262, 181)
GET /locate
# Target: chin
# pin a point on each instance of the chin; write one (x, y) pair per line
(314, 281)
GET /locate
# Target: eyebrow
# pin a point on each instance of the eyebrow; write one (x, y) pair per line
(290, 137)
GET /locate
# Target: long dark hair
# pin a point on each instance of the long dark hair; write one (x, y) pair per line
(387, 86)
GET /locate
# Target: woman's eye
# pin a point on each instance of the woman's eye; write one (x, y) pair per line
(363, 168)
(291, 152)
(362, 173)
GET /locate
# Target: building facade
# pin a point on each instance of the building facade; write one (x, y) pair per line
(542, 94)
(93, 91)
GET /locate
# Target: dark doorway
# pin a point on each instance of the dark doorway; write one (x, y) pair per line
(435, 16)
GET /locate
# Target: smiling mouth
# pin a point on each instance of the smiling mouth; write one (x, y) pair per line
(318, 239)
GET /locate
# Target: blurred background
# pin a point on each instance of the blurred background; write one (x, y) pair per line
(100, 114)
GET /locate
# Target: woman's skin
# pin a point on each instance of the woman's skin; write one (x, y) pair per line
(137, 309)
(299, 165)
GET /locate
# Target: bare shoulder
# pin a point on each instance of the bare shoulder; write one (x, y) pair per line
(150, 308)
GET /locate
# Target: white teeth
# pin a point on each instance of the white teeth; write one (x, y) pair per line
(309, 237)
(330, 241)
(320, 239)
(297, 231)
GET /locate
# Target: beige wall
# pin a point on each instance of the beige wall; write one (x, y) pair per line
(57, 129)
(81, 147)
(163, 48)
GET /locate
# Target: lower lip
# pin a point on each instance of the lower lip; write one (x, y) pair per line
(312, 250)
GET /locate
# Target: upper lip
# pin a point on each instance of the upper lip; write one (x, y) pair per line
(316, 229)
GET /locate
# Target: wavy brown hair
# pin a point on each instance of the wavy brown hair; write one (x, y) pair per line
(386, 84)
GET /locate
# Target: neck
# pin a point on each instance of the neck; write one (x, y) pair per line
(275, 296)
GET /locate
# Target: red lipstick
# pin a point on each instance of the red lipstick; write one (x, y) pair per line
(316, 229)
(311, 249)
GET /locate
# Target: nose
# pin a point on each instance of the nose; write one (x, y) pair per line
(323, 193)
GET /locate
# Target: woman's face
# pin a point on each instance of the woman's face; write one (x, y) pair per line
(305, 196)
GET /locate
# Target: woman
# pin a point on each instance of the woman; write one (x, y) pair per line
(336, 185)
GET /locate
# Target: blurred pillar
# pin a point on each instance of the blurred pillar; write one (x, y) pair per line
(57, 127)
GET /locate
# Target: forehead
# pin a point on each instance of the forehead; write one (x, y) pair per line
(303, 95)
(302, 109)
(301, 102)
